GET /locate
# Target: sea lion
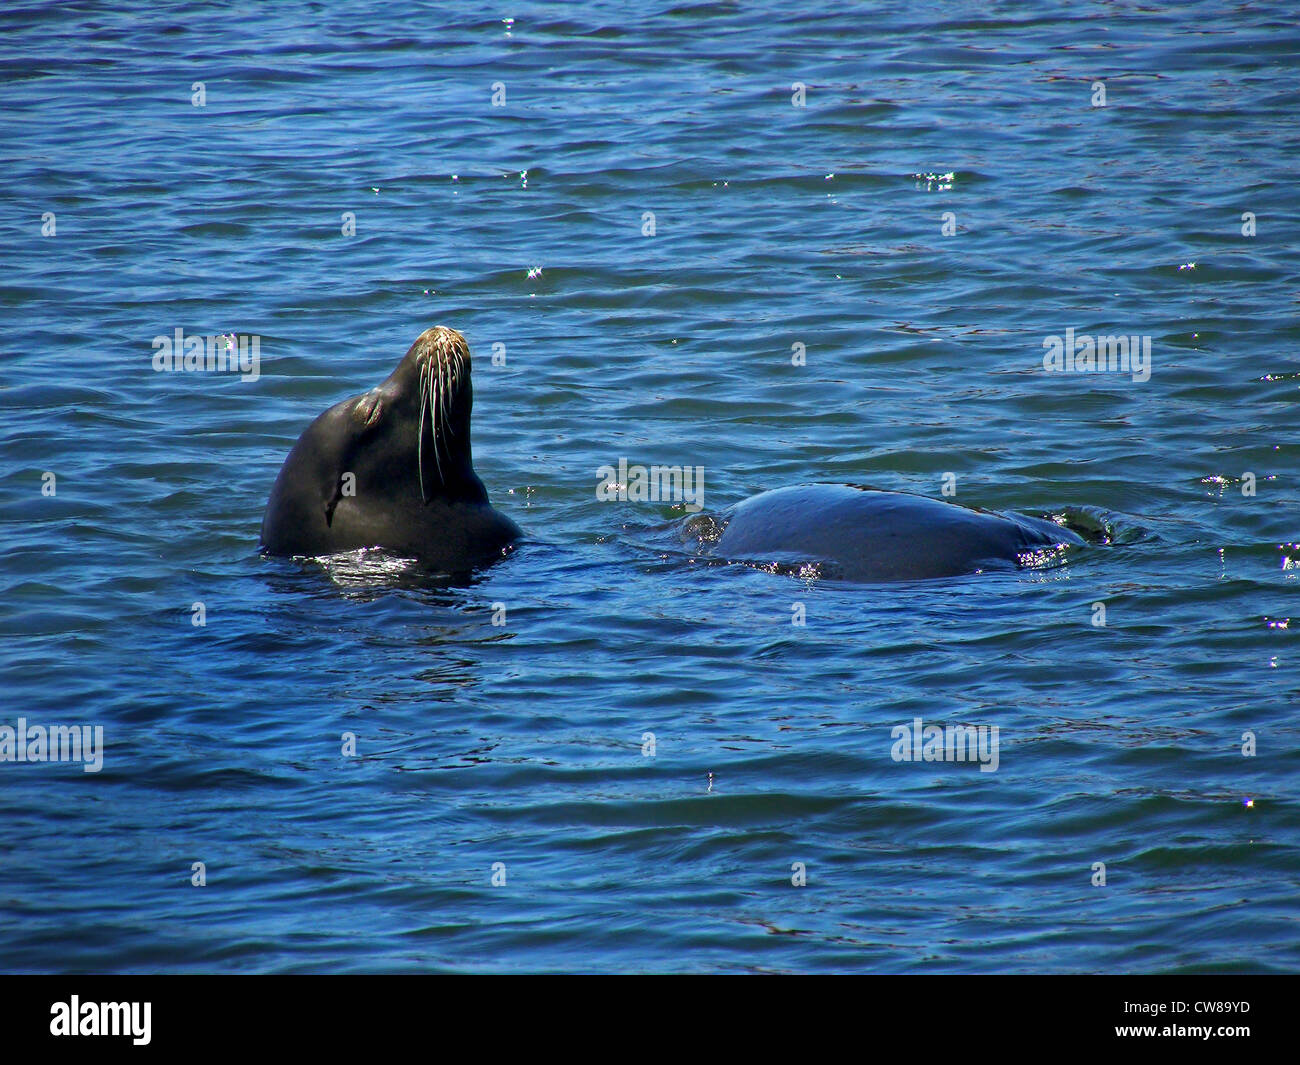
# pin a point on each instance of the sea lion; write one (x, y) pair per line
(860, 534)
(392, 469)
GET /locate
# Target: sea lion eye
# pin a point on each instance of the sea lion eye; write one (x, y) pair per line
(369, 409)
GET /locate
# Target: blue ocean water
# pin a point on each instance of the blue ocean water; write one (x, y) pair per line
(647, 228)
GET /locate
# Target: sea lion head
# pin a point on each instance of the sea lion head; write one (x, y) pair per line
(415, 425)
(392, 468)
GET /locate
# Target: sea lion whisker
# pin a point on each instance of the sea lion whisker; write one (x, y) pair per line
(446, 396)
(435, 387)
(448, 383)
(455, 371)
(419, 446)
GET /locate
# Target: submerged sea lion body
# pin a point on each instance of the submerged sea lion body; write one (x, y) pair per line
(865, 535)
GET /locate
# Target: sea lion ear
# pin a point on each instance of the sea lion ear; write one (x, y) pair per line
(333, 502)
(366, 413)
